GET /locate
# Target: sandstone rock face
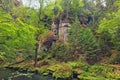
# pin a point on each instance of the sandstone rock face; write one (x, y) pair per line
(61, 31)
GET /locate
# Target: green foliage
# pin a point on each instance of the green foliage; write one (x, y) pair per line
(117, 4)
(74, 64)
(25, 14)
(87, 41)
(58, 8)
(78, 67)
(2, 56)
(76, 5)
(16, 38)
(59, 50)
(43, 70)
(84, 41)
(96, 72)
(77, 64)
(83, 70)
(109, 28)
(61, 71)
(6, 5)
(49, 10)
(86, 76)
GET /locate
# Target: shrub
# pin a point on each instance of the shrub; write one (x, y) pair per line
(61, 70)
(98, 72)
(59, 50)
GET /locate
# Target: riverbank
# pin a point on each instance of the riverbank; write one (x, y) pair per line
(69, 70)
(10, 74)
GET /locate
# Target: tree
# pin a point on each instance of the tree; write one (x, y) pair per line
(8, 5)
(83, 41)
(75, 7)
(26, 14)
(41, 30)
(66, 5)
(16, 38)
(94, 9)
(109, 28)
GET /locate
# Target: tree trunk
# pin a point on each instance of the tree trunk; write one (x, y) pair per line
(93, 23)
(36, 54)
(38, 44)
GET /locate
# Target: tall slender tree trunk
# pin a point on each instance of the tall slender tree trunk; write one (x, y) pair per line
(38, 44)
(36, 52)
(93, 23)
(67, 13)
